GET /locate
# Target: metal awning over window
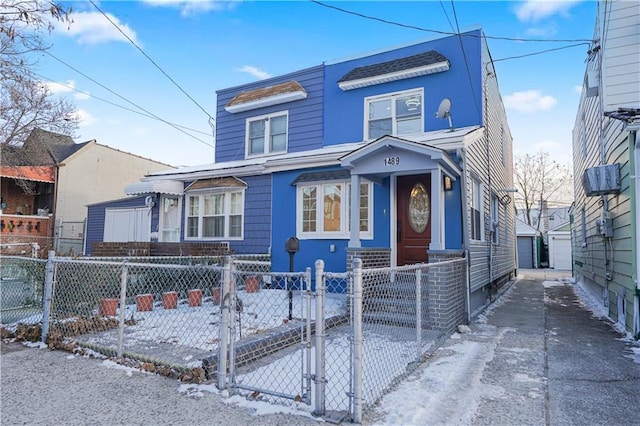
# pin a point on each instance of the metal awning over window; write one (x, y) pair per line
(172, 187)
(322, 176)
(216, 184)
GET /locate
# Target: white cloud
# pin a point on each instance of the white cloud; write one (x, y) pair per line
(56, 88)
(85, 118)
(529, 101)
(66, 87)
(94, 28)
(578, 89)
(81, 96)
(536, 10)
(193, 7)
(544, 31)
(256, 72)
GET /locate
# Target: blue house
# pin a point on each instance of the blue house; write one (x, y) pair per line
(398, 156)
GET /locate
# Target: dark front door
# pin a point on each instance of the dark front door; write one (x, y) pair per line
(414, 218)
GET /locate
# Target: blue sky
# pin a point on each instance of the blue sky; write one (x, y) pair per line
(205, 46)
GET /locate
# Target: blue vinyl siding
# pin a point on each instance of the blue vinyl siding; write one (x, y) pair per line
(257, 217)
(305, 116)
(344, 110)
(284, 226)
(96, 217)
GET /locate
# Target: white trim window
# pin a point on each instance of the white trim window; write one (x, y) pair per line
(267, 134)
(477, 213)
(394, 114)
(214, 215)
(324, 211)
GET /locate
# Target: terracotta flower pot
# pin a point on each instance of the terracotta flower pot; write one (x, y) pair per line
(252, 284)
(215, 295)
(144, 302)
(195, 297)
(170, 299)
(108, 307)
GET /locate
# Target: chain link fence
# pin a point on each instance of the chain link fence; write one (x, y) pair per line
(21, 289)
(328, 343)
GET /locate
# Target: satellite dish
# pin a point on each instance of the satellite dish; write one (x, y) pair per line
(444, 111)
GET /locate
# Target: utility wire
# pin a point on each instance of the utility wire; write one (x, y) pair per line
(466, 62)
(151, 60)
(386, 21)
(115, 104)
(125, 99)
(541, 52)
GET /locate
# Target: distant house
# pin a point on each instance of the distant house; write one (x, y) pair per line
(559, 245)
(349, 158)
(529, 245)
(50, 181)
(549, 218)
(606, 160)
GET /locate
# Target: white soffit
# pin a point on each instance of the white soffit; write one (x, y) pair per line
(400, 75)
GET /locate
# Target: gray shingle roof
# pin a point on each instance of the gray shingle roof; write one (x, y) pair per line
(322, 176)
(396, 65)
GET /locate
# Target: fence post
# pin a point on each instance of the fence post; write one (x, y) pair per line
(48, 293)
(319, 377)
(357, 341)
(419, 312)
(124, 273)
(307, 344)
(224, 324)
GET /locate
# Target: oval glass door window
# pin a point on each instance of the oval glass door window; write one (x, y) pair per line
(419, 208)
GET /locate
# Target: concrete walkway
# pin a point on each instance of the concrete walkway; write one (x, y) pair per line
(537, 357)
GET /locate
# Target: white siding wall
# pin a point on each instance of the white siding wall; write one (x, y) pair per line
(97, 173)
(491, 160)
(606, 266)
(620, 45)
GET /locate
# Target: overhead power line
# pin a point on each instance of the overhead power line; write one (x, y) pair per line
(115, 104)
(125, 99)
(151, 60)
(541, 52)
(428, 30)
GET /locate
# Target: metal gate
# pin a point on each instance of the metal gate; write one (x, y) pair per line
(265, 317)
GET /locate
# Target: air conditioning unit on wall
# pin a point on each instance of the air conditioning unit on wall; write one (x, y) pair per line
(602, 180)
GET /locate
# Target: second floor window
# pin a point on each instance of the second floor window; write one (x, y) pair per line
(395, 114)
(267, 134)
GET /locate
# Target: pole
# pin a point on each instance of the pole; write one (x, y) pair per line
(319, 378)
(123, 300)
(224, 324)
(290, 285)
(357, 341)
(48, 292)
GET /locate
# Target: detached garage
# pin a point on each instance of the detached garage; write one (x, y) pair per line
(560, 247)
(527, 245)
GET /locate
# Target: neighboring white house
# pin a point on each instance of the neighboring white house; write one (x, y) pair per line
(559, 241)
(606, 162)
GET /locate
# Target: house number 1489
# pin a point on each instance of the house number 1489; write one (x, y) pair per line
(392, 161)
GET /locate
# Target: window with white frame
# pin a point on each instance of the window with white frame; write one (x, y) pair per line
(267, 134)
(394, 114)
(495, 219)
(477, 233)
(324, 210)
(215, 215)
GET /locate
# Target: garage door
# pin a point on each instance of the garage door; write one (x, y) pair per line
(525, 252)
(561, 256)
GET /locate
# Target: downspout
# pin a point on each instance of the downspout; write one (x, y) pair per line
(635, 215)
(465, 226)
(490, 189)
